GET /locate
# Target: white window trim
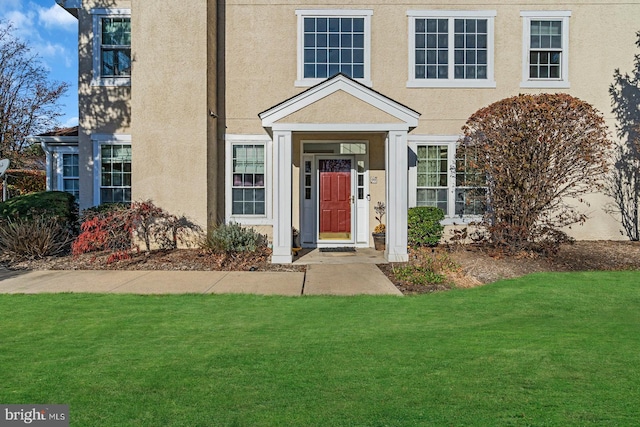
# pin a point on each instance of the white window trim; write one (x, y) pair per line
(53, 155)
(546, 15)
(343, 13)
(60, 152)
(451, 82)
(230, 141)
(98, 14)
(450, 141)
(99, 140)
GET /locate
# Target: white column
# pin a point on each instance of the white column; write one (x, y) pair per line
(397, 170)
(282, 180)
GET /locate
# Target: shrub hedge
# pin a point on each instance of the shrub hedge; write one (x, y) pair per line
(424, 226)
(49, 204)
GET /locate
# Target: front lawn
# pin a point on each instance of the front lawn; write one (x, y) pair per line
(548, 349)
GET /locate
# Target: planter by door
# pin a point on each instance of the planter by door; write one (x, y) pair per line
(379, 241)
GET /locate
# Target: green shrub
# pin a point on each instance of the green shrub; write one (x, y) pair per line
(49, 204)
(426, 267)
(34, 237)
(233, 237)
(424, 226)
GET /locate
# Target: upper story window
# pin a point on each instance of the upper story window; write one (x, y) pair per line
(451, 48)
(545, 62)
(111, 47)
(332, 42)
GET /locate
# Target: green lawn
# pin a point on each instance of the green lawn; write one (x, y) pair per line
(548, 349)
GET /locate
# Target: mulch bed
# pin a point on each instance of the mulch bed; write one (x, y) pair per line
(477, 265)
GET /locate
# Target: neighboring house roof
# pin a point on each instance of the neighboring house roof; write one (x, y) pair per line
(72, 131)
(57, 137)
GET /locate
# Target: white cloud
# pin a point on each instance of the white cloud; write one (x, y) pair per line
(22, 22)
(9, 5)
(56, 17)
(71, 122)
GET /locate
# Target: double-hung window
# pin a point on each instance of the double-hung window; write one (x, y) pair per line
(432, 179)
(248, 189)
(112, 47)
(332, 42)
(545, 61)
(70, 173)
(470, 195)
(112, 168)
(63, 168)
(115, 173)
(441, 180)
(451, 48)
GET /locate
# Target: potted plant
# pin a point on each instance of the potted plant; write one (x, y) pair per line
(379, 233)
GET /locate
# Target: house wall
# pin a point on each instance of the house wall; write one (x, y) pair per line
(261, 65)
(173, 92)
(102, 110)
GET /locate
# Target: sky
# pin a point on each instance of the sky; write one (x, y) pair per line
(52, 33)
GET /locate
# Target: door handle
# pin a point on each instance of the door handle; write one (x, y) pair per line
(353, 199)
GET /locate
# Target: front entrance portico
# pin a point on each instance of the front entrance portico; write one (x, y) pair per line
(340, 105)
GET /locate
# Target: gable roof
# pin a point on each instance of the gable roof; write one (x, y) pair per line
(72, 131)
(339, 82)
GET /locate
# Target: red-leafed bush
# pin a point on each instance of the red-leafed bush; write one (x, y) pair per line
(116, 228)
(111, 230)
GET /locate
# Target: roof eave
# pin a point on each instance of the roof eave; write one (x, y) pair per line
(70, 6)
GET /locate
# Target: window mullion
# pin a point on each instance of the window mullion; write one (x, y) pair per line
(451, 179)
(452, 49)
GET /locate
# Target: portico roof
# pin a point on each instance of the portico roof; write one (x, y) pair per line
(388, 110)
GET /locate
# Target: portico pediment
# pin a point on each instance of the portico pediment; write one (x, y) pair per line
(340, 107)
(340, 100)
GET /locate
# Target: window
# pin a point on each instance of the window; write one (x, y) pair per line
(470, 199)
(115, 173)
(111, 168)
(63, 167)
(112, 47)
(332, 42)
(545, 49)
(451, 49)
(248, 187)
(433, 171)
(70, 174)
(444, 181)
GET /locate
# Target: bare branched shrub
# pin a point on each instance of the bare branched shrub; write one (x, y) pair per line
(36, 237)
(535, 153)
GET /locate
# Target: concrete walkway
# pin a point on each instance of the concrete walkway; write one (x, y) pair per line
(346, 279)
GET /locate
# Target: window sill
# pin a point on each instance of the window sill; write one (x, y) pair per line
(313, 82)
(543, 84)
(111, 81)
(250, 220)
(452, 84)
(461, 220)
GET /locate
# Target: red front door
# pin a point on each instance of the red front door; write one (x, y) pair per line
(335, 199)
